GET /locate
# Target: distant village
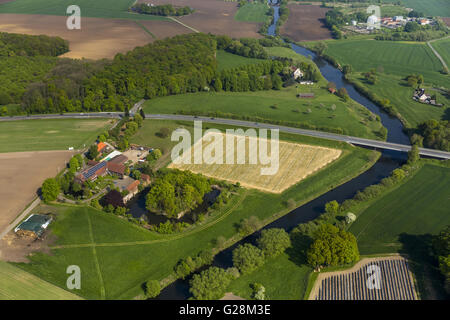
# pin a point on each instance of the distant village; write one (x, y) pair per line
(387, 22)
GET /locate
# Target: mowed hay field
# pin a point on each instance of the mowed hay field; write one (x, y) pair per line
(214, 16)
(17, 284)
(98, 38)
(381, 228)
(294, 163)
(21, 175)
(305, 23)
(440, 8)
(34, 135)
(443, 48)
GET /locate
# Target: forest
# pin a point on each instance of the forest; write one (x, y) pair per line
(182, 64)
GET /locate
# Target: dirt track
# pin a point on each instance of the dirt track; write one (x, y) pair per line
(98, 38)
(214, 16)
(21, 175)
(305, 23)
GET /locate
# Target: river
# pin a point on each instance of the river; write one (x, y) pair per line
(389, 160)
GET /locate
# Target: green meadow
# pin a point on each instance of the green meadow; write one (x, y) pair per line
(228, 60)
(439, 8)
(419, 206)
(253, 12)
(38, 135)
(272, 105)
(397, 91)
(117, 257)
(443, 48)
(17, 284)
(117, 9)
(392, 57)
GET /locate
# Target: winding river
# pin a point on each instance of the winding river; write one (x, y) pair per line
(389, 160)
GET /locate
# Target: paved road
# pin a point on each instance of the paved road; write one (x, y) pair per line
(313, 133)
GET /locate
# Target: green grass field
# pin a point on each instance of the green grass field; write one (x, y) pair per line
(420, 206)
(276, 105)
(36, 135)
(439, 8)
(253, 12)
(17, 284)
(282, 278)
(443, 48)
(228, 60)
(399, 58)
(395, 89)
(125, 256)
(96, 9)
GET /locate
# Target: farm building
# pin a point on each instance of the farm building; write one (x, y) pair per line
(120, 159)
(111, 155)
(305, 95)
(116, 169)
(34, 226)
(101, 146)
(92, 173)
(296, 72)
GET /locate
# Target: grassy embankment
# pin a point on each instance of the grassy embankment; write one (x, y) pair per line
(38, 135)
(116, 265)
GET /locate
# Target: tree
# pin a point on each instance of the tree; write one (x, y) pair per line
(50, 190)
(73, 165)
(411, 26)
(101, 138)
(332, 247)
(273, 241)
(210, 284)
(320, 48)
(413, 154)
(347, 69)
(152, 288)
(139, 120)
(332, 207)
(247, 258)
(342, 92)
(93, 152)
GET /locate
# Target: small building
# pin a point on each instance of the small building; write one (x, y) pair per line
(117, 169)
(132, 190)
(92, 173)
(111, 155)
(145, 179)
(120, 159)
(306, 95)
(296, 72)
(101, 146)
(34, 226)
(332, 90)
(398, 18)
(354, 22)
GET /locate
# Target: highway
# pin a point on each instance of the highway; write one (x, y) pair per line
(241, 123)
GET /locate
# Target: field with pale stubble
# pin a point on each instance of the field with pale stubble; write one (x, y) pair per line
(295, 161)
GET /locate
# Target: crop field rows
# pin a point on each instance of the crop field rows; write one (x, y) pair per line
(396, 283)
(294, 163)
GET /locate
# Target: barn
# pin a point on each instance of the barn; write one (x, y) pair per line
(34, 226)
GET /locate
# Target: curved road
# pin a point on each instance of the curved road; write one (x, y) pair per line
(313, 133)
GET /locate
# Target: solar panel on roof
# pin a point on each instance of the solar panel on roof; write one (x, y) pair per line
(93, 170)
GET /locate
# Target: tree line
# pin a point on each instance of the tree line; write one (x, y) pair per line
(12, 44)
(162, 10)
